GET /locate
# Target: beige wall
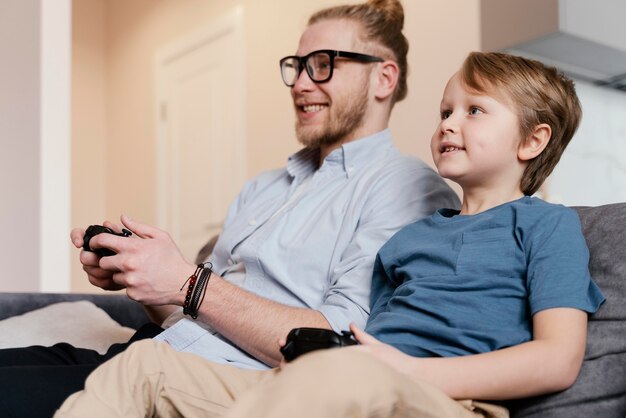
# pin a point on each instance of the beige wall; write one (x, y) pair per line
(511, 22)
(113, 106)
(441, 33)
(89, 122)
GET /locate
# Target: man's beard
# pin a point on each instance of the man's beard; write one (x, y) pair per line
(346, 118)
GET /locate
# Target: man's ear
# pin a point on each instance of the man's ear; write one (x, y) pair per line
(535, 143)
(386, 79)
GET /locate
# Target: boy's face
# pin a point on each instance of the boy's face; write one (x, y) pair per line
(477, 139)
(337, 110)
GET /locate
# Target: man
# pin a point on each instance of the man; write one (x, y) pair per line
(299, 243)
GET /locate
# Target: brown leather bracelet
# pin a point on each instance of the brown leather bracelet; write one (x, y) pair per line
(197, 289)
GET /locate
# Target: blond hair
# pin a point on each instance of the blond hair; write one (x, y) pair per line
(382, 22)
(540, 93)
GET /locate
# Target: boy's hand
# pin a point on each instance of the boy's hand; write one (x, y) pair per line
(393, 357)
(281, 344)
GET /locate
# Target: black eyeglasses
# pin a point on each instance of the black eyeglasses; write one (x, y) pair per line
(319, 65)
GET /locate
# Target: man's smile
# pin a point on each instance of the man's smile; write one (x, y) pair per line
(313, 108)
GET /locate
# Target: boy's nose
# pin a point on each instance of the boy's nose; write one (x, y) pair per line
(449, 125)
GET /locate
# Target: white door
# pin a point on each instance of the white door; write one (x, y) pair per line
(201, 131)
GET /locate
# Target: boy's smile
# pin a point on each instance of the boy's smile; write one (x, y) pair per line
(448, 147)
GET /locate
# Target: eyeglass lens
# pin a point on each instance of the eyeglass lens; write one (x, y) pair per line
(318, 67)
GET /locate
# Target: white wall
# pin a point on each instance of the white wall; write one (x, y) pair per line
(592, 170)
(54, 142)
(19, 144)
(34, 144)
(599, 21)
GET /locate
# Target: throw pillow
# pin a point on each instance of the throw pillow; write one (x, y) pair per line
(81, 324)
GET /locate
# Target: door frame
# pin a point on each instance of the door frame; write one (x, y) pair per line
(232, 24)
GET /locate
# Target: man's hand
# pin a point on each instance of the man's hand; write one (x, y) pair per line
(148, 264)
(91, 263)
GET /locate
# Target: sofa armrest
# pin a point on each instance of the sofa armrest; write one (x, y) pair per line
(121, 309)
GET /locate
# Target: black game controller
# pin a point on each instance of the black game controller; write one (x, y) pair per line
(303, 340)
(94, 230)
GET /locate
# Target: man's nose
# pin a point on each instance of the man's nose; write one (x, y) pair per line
(303, 82)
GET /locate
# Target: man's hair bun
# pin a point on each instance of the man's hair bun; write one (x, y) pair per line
(392, 9)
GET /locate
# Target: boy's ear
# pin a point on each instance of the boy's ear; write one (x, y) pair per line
(535, 143)
(387, 79)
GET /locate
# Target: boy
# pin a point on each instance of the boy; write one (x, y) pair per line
(488, 303)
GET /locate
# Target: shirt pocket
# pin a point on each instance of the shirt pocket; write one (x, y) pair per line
(424, 262)
(487, 254)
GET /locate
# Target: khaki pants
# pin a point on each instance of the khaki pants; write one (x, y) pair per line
(151, 379)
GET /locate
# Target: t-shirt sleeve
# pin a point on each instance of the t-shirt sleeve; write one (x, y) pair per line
(558, 264)
(382, 290)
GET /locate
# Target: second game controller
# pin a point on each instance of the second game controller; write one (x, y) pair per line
(303, 340)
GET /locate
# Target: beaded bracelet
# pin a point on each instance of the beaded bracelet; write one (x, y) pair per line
(197, 289)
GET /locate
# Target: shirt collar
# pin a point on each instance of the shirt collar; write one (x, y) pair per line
(349, 156)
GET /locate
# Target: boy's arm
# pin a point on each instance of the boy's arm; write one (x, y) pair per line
(548, 363)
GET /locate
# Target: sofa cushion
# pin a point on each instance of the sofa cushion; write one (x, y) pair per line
(600, 390)
(81, 324)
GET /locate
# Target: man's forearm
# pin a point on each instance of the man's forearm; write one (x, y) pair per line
(253, 323)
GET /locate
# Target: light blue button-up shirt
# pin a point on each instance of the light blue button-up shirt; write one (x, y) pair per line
(307, 237)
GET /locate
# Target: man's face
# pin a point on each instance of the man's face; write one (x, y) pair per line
(334, 111)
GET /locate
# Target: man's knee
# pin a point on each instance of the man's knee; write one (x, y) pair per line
(354, 380)
(140, 358)
(144, 346)
(145, 354)
(341, 370)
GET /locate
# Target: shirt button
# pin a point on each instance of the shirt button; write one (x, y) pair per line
(252, 222)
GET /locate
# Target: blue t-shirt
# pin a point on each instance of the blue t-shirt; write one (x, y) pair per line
(453, 285)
